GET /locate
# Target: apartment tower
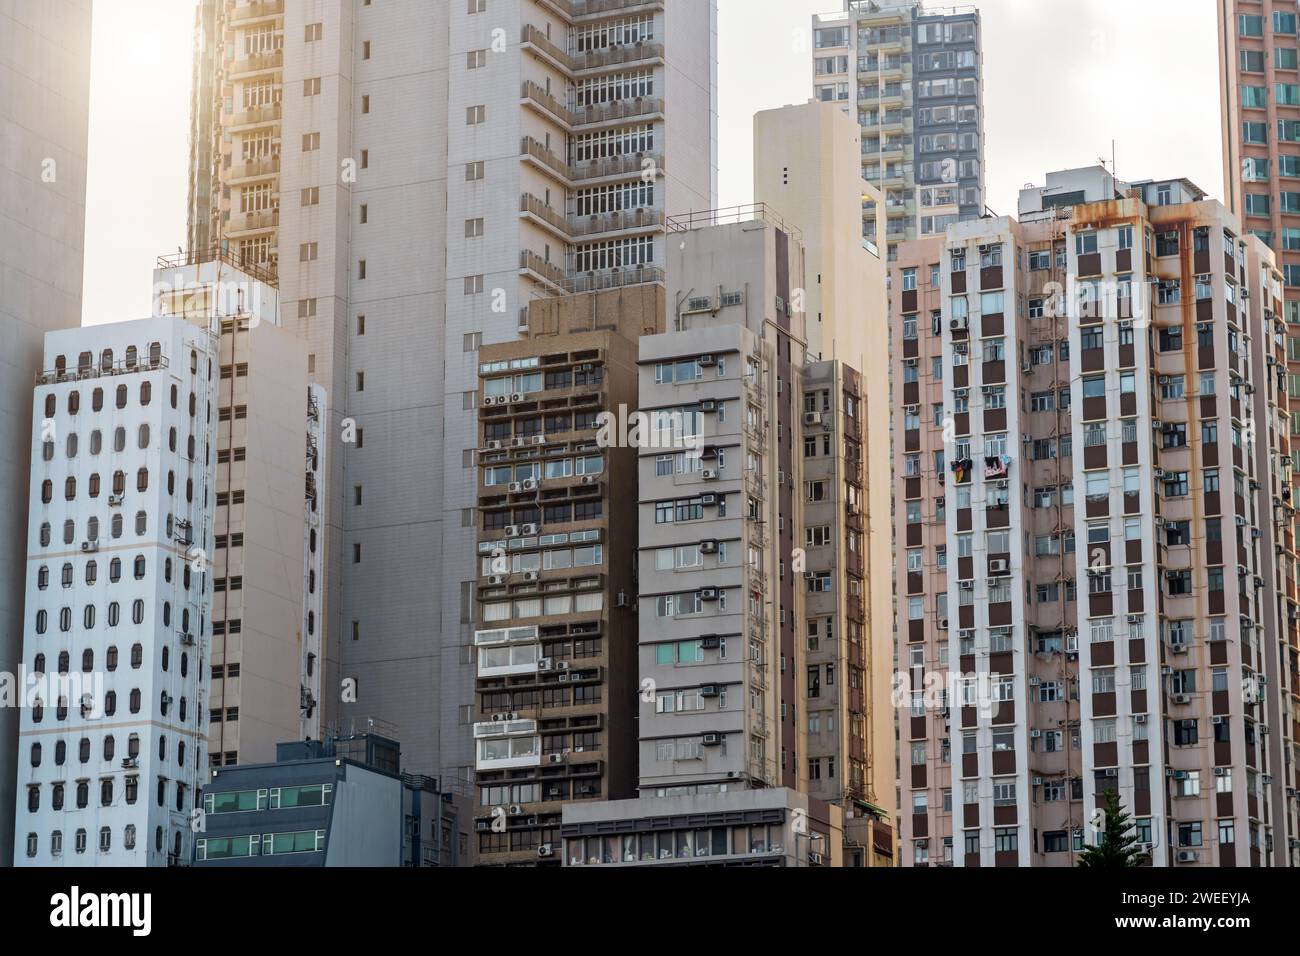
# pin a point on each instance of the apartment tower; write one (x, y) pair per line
(1093, 528)
(556, 646)
(549, 139)
(45, 58)
(267, 564)
(112, 747)
(913, 80)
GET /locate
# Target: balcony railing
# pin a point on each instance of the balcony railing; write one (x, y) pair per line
(616, 221)
(253, 221)
(530, 204)
(266, 166)
(271, 60)
(617, 55)
(531, 36)
(613, 279)
(531, 262)
(616, 166)
(618, 110)
(574, 9)
(257, 116)
(256, 10)
(531, 91)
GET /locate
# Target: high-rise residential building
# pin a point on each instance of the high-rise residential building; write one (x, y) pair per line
(756, 630)
(112, 748)
(1259, 69)
(44, 117)
(556, 644)
(806, 167)
(912, 77)
(550, 139)
(268, 568)
(1095, 558)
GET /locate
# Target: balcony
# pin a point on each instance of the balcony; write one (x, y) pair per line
(542, 45)
(613, 279)
(257, 116)
(244, 223)
(530, 207)
(640, 53)
(256, 63)
(531, 149)
(634, 220)
(619, 111)
(616, 166)
(242, 13)
(537, 268)
(541, 101)
(254, 169)
(579, 9)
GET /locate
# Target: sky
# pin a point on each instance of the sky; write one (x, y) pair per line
(1063, 78)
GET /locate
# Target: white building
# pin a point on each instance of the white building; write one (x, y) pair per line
(118, 595)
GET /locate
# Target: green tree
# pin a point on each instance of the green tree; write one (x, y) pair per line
(1118, 845)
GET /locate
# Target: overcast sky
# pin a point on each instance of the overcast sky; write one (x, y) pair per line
(1062, 79)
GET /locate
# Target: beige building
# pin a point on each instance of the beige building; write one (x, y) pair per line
(45, 60)
(807, 166)
(1088, 521)
(266, 567)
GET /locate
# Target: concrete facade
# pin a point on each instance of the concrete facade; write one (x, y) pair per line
(45, 71)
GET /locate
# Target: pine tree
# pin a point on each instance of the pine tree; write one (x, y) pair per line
(1118, 846)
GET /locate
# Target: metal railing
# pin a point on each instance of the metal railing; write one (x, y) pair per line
(731, 215)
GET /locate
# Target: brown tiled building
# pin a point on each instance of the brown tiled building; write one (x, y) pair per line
(1094, 550)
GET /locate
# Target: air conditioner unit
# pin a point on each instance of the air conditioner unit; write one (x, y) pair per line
(555, 758)
(561, 665)
(812, 418)
(115, 501)
(967, 585)
(709, 474)
(1216, 719)
(90, 546)
(1165, 379)
(1038, 781)
(488, 401)
(532, 484)
(712, 740)
(815, 859)
(187, 640)
(999, 567)
(708, 547)
(519, 442)
(589, 479)
(709, 594)
(710, 690)
(710, 641)
(530, 576)
(130, 763)
(1157, 425)
(707, 361)
(959, 325)
(1035, 681)
(517, 397)
(512, 531)
(1112, 772)
(495, 445)
(482, 825)
(943, 624)
(1186, 856)
(1139, 718)
(516, 487)
(529, 529)
(1035, 734)
(709, 500)
(498, 718)
(708, 405)
(1135, 618)
(1220, 771)
(546, 663)
(545, 850)
(539, 439)
(516, 810)
(564, 678)
(497, 580)
(1263, 729)
(1182, 699)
